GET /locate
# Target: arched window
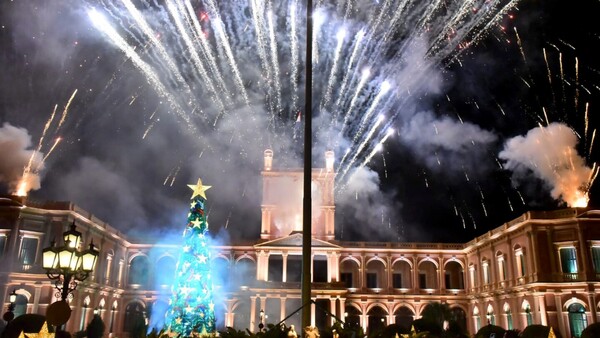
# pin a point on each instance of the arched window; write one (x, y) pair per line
(135, 317)
(352, 316)
(491, 316)
(166, 266)
(377, 319)
(375, 275)
(459, 316)
(220, 271)
(244, 273)
(241, 315)
(401, 275)
(502, 275)
(528, 314)
(472, 275)
(477, 319)
(427, 275)
(20, 305)
(453, 277)
(520, 257)
(577, 319)
(349, 273)
(157, 315)
(485, 266)
(509, 320)
(139, 271)
(84, 310)
(404, 317)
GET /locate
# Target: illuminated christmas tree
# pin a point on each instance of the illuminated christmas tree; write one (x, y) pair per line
(191, 309)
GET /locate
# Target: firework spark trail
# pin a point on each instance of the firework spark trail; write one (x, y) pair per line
(257, 20)
(363, 144)
(274, 59)
(294, 51)
(576, 83)
(363, 80)
(382, 36)
(39, 147)
(145, 28)
(197, 62)
(562, 77)
(586, 122)
(206, 50)
(65, 111)
(37, 169)
(334, 67)
(223, 40)
(365, 120)
(101, 24)
(592, 142)
(490, 20)
(318, 18)
(378, 147)
(357, 42)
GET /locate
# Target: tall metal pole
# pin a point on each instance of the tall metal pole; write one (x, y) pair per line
(306, 201)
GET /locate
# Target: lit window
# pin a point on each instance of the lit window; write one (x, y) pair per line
(501, 266)
(595, 258)
(2, 244)
(472, 276)
(371, 280)
(568, 260)
(28, 252)
(397, 280)
(486, 272)
(577, 319)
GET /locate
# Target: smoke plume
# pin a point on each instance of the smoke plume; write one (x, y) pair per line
(15, 157)
(549, 153)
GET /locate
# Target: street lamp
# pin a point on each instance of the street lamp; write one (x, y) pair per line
(66, 265)
(10, 315)
(261, 325)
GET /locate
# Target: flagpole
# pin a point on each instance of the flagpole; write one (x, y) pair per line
(306, 201)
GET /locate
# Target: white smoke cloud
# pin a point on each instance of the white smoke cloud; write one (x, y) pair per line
(549, 153)
(368, 211)
(15, 157)
(446, 144)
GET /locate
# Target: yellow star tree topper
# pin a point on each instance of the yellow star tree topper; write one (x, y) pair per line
(199, 189)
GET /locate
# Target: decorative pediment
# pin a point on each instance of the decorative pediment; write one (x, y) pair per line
(295, 240)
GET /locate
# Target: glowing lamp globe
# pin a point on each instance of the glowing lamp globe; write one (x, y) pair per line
(50, 257)
(88, 258)
(67, 257)
(72, 236)
(13, 297)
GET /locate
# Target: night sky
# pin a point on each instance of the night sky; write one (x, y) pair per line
(488, 111)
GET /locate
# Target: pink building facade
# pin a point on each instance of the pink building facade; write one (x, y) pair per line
(540, 268)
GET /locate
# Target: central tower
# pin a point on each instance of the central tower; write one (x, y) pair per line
(282, 200)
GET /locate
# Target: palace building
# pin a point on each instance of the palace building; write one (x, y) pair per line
(540, 268)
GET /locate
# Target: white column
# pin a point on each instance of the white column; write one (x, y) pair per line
(542, 307)
(332, 309)
(109, 259)
(593, 311)
(120, 278)
(252, 313)
(312, 313)
(282, 313)
(36, 298)
(284, 272)
(559, 313)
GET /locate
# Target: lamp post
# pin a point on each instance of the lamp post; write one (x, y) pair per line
(67, 265)
(10, 315)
